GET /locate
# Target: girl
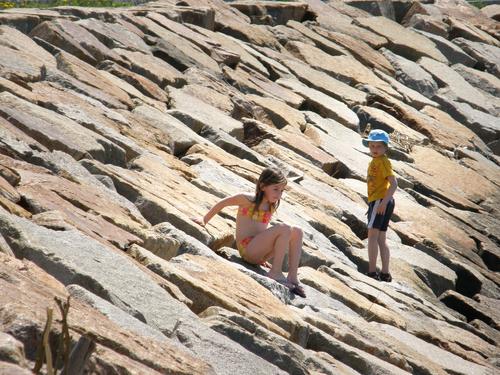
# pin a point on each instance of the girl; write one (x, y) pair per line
(256, 242)
(381, 185)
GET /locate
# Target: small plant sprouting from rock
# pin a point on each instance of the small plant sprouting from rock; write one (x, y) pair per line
(68, 360)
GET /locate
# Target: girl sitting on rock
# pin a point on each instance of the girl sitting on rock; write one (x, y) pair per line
(255, 241)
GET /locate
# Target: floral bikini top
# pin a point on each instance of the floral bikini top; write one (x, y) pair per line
(257, 215)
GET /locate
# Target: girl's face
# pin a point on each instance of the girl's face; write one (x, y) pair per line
(273, 193)
(377, 148)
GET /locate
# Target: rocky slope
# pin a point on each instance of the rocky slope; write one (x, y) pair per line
(119, 125)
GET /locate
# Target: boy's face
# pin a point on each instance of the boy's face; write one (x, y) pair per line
(274, 192)
(377, 148)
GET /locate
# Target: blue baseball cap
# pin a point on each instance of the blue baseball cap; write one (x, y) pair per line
(376, 135)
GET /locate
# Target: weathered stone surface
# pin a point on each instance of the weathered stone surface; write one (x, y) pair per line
(402, 40)
(410, 96)
(74, 39)
(411, 74)
(464, 29)
(327, 45)
(427, 23)
(458, 88)
(278, 113)
(321, 103)
(492, 11)
(140, 298)
(343, 68)
(265, 12)
(488, 56)
(205, 113)
(359, 49)
(57, 132)
(35, 291)
(114, 35)
(11, 369)
(11, 350)
(325, 83)
(453, 53)
(479, 79)
(152, 68)
(470, 308)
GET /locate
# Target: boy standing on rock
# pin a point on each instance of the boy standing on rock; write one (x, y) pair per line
(381, 184)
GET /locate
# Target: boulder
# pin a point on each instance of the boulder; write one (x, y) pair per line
(488, 56)
(402, 41)
(481, 80)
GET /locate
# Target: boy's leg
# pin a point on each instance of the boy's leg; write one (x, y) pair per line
(272, 243)
(384, 251)
(294, 254)
(373, 235)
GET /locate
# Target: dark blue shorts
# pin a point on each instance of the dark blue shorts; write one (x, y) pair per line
(377, 221)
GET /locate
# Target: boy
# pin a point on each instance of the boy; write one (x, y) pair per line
(381, 184)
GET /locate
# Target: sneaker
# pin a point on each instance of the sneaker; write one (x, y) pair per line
(373, 275)
(385, 277)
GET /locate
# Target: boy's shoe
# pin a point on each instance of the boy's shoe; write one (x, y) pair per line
(374, 275)
(385, 277)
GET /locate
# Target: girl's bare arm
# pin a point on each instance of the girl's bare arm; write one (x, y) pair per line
(235, 200)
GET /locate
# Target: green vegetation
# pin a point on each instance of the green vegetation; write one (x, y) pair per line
(55, 3)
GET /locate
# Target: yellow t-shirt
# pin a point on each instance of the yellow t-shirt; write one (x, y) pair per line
(378, 170)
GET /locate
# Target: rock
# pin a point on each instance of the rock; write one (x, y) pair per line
(378, 119)
(483, 124)
(362, 51)
(284, 354)
(344, 68)
(58, 132)
(486, 55)
(458, 88)
(325, 44)
(442, 358)
(277, 13)
(201, 16)
(321, 103)
(470, 308)
(463, 29)
(254, 83)
(278, 113)
(323, 82)
(410, 96)
(205, 113)
(453, 53)
(74, 39)
(89, 113)
(11, 369)
(153, 68)
(492, 11)
(115, 314)
(411, 74)
(141, 297)
(426, 124)
(402, 41)
(176, 51)
(253, 34)
(36, 290)
(479, 79)
(17, 90)
(114, 35)
(11, 350)
(90, 76)
(284, 34)
(427, 23)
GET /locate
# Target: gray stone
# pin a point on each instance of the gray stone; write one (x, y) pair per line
(11, 350)
(57, 132)
(479, 79)
(117, 315)
(453, 53)
(411, 74)
(488, 56)
(76, 259)
(458, 88)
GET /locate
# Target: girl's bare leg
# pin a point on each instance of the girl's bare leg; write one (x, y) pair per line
(272, 243)
(294, 254)
(384, 251)
(373, 235)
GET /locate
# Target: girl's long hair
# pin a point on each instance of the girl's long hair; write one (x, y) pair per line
(269, 176)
